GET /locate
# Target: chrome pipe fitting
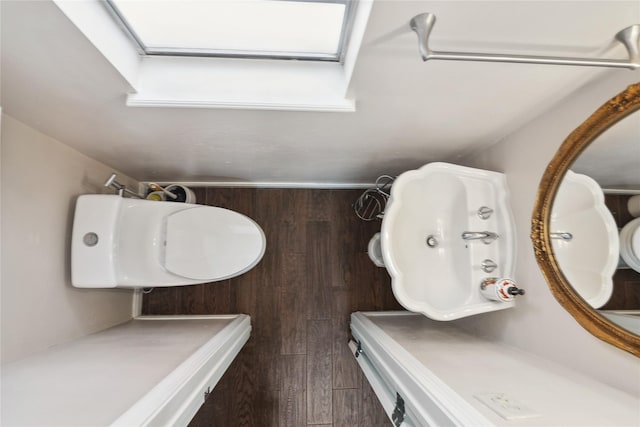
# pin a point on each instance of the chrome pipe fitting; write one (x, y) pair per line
(121, 189)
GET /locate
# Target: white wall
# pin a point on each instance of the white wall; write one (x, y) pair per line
(41, 178)
(539, 324)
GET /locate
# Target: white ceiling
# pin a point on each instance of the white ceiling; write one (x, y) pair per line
(408, 112)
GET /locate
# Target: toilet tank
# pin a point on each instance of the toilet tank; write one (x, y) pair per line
(92, 241)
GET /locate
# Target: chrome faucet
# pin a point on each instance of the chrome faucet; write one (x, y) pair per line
(562, 235)
(486, 236)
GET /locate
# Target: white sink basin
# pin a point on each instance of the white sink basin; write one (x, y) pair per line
(589, 259)
(441, 201)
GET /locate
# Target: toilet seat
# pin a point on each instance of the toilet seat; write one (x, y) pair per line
(211, 243)
(630, 244)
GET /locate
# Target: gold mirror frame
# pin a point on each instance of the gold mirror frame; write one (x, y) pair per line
(606, 116)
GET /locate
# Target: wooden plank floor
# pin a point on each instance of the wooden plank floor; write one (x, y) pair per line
(296, 369)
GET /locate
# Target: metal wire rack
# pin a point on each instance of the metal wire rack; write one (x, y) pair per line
(373, 201)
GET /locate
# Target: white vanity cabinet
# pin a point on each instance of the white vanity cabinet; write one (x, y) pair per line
(430, 373)
(150, 371)
(410, 394)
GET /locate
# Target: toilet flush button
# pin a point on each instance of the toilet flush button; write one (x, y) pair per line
(90, 239)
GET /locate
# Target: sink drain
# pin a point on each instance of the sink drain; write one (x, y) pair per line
(431, 241)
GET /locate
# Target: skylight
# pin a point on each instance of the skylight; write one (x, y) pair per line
(295, 29)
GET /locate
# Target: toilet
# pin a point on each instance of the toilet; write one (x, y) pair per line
(374, 250)
(630, 244)
(122, 242)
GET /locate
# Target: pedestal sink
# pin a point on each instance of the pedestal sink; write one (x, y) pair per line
(585, 238)
(434, 270)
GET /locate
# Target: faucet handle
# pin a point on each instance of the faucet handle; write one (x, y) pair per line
(484, 212)
(488, 265)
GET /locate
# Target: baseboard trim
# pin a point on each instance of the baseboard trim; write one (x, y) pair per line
(270, 184)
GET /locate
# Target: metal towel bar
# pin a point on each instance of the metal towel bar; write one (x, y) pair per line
(423, 24)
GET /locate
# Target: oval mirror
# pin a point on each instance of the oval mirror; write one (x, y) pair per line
(579, 224)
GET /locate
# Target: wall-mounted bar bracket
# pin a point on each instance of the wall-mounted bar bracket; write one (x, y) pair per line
(398, 412)
(358, 347)
(630, 37)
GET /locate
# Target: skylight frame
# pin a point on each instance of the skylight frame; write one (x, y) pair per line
(347, 26)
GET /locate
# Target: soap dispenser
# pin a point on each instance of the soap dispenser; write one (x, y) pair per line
(498, 289)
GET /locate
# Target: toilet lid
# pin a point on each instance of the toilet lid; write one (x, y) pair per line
(209, 243)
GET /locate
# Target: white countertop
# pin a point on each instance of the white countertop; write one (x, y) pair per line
(471, 366)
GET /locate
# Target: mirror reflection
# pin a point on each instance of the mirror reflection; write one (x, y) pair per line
(595, 224)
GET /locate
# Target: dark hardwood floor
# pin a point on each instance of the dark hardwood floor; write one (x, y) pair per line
(626, 282)
(296, 369)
